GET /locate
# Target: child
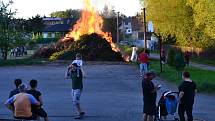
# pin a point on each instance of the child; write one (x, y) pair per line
(79, 62)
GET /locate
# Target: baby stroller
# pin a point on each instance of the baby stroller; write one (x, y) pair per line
(167, 104)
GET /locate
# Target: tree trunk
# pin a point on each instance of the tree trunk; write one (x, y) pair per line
(4, 54)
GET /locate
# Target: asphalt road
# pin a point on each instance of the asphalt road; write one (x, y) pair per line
(112, 92)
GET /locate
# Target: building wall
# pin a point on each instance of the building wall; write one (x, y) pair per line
(45, 35)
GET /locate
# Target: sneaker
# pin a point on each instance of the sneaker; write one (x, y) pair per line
(80, 116)
(82, 113)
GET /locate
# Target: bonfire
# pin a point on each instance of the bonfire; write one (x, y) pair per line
(90, 22)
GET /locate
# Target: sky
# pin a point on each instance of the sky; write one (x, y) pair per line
(29, 8)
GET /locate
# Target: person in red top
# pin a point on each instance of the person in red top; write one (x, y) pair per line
(143, 59)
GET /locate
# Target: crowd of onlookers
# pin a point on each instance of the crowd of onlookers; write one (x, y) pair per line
(18, 51)
(26, 103)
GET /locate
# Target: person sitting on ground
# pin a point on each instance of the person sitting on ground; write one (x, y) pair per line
(38, 111)
(22, 104)
(75, 74)
(15, 91)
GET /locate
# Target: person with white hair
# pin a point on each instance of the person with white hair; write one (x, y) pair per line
(22, 104)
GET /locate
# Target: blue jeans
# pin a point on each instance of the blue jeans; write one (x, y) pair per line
(143, 68)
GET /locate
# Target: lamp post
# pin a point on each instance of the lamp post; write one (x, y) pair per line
(117, 27)
(160, 48)
(144, 30)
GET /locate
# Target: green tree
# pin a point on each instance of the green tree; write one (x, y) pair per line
(35, 24)
(6, 29)
(179, 62)
(171, 57)
(191, 22)
(69, 13)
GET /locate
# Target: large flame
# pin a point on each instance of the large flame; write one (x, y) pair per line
(90, 22)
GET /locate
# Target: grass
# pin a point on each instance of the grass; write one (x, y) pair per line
(204, 61)
(27, 61)
(204, 79)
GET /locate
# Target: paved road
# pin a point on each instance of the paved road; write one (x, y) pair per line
(112, 92)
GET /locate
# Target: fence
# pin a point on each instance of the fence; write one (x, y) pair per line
(196, 52)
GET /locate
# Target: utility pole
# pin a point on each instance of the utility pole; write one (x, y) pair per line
(144, 24)
(117, 27)
(160, 48)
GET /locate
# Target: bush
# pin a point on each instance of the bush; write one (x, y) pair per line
(62, 55)
(126, 49)
(179, 61)
(44, 52)
(171, 57)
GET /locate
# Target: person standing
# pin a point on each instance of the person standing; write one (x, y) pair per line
(187, 92)
(15, 91)
(143, 59)
(163, 56)
(187, 58)
(39, 111)
(149, 96)
(134, 54)
(75, 74)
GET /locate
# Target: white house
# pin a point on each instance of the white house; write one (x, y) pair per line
(132, 28)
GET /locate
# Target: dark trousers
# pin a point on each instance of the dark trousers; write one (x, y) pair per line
(33, 117)
(40, 112)
(181, 110)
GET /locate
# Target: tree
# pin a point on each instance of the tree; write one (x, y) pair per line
(179, 62)
(108, 12)
(35, 24)
(6, 29)
(190, 22)
(69, 13)
(12, 33)
(171, 57)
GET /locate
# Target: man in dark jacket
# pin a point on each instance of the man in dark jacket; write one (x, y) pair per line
(187, 92)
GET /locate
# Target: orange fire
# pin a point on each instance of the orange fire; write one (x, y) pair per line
(90, 22)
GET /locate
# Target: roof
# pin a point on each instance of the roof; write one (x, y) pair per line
(51, 19)
(127, 20)
(57, 28)
(136, 23)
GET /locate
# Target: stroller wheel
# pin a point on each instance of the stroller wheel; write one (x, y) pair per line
(176, 119)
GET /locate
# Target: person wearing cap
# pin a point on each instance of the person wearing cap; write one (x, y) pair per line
(149, 96)
(22, 104)
(75, 74)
